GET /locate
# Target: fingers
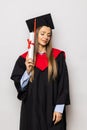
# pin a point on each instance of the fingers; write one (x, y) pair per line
(29, 64)
(57, 117)
(29, 59)
(54, 116)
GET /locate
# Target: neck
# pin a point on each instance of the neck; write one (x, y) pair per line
(41, 48)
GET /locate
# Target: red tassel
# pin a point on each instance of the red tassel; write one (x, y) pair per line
(34, 28)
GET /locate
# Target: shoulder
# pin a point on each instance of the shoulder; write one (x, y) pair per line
(57, 52)
(24, 55)
(21, 58)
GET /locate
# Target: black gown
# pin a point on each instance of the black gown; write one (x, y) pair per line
(40, 97)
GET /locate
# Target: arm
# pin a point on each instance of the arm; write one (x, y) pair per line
(63, 89)
(59, 108)
(18, 70)
(22, 68)
(25, 79)
(63, 81)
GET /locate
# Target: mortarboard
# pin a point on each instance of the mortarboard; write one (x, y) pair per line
(44, 20)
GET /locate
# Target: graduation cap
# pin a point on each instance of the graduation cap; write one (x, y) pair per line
(44, 20)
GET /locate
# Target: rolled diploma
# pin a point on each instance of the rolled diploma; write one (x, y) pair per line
(31, 49)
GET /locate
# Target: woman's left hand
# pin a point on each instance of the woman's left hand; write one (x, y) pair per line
(57, 116)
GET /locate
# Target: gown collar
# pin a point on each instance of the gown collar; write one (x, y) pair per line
(42, 60)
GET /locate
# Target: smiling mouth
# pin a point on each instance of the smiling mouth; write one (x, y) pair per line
(44, 41)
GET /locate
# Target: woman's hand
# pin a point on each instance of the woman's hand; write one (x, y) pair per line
(57, 116)
(29, 64)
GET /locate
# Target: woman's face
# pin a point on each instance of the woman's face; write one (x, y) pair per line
(44, 35)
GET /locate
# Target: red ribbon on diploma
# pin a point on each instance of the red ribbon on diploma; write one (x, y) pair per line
(29, 42)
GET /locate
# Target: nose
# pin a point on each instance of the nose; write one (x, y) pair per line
(46, 37)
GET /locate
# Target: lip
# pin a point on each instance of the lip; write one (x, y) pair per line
(45, 41)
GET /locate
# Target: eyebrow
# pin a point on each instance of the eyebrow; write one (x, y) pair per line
(45, 32)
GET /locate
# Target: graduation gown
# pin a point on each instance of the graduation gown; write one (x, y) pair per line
(40, 96)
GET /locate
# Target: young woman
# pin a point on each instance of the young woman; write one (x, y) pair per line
(42, 84)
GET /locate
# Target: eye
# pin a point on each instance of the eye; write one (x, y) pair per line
(42, 34)
(49, 35)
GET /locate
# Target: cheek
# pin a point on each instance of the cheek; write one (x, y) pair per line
(49, 38)
(39, 38)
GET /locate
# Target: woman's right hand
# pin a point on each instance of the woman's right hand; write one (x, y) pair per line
(29, 64)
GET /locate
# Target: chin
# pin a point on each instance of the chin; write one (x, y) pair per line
(43, 44)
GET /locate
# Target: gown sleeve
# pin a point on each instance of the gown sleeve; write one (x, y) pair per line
(63, 96)
(18, 70)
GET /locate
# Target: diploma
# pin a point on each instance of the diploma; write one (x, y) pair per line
(31, 45)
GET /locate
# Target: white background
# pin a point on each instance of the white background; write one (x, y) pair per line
(70, 34)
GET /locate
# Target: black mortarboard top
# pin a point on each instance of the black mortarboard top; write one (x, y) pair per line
(44, 20)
